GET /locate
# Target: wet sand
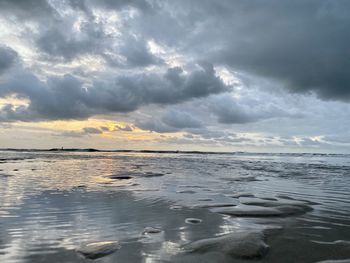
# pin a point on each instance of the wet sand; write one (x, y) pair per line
(152, 207)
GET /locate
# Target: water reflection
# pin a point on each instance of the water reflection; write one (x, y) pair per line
(53, 203)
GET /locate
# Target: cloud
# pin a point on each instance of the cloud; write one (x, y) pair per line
(208, 70)
(337, 138)
(86, 131)
(104, 128)
(310, 142)
(230, 110)
(141, 5)
(26, 9)
(56, 98)
(65, 44)
(204, 138)
(7, 58)
(127, 128)
(67, 97)
(156, 126)
(303, 44)
(171, 121)
(180, 120)
(92, 130)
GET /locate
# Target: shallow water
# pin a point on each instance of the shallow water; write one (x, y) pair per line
(51, 204)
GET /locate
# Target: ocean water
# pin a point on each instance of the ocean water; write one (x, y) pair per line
(174, 207)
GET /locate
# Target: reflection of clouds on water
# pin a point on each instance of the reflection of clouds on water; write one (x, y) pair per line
(58, 202)
(55, 220)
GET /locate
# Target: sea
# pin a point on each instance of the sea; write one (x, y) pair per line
(94, 206)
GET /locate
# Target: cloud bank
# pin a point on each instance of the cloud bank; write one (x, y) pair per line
(179, 66)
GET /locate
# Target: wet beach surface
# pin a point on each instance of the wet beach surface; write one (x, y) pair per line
(157, 207)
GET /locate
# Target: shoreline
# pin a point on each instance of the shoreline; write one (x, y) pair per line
(60, 150)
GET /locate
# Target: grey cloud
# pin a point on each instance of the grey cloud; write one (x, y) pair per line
(215, 135)
(26, 9)
(57, 98)
(7, 58)
(212, 134)
(60, 42)
(130, 92)
(37, 9)
(309, 142)
(339, 138)
(199, 140)
(65, 44)
(92, 130)
(137, 54)
(171, 121)
(69, 98)
(301, 142)
(127, 128)
(180, 120)
(141, 5)
(301, 43)
(73, 134)
(232, 111)
(104, 128)
(60, 39)
(133, 52)
(86, 131)
(10, 113)
(156, 126)
(272, 47)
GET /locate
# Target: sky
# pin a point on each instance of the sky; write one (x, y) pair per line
(229, 75)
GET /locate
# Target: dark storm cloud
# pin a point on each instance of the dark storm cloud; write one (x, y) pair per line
(137, 54)
(56, 98)
(130, 92)
(304, 44)
(58, 38)
(69, 98)
(7, 58)
(62, 43)
(133, 52)
(301, 44)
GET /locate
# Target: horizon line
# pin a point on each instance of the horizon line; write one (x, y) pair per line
(157, 151)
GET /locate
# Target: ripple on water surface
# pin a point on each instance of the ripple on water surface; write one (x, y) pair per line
(173, 208)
